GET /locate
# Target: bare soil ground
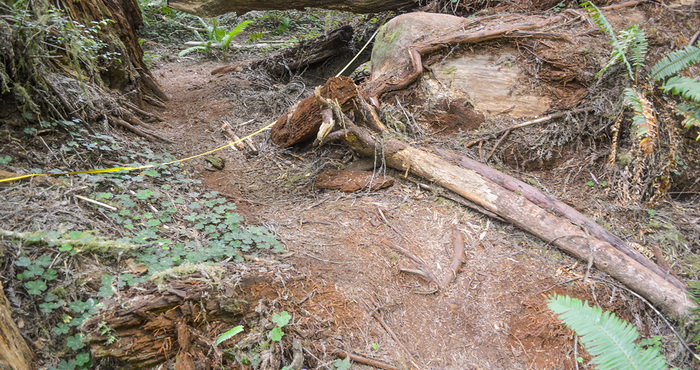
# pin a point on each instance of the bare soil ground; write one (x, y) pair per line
(492, 316)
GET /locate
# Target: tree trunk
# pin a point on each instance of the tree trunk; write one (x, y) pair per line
(211, 8)
(14, 351)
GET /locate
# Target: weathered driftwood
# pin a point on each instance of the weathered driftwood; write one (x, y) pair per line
(14, 351)
(506, 197)
(298, 57)
(211, 8)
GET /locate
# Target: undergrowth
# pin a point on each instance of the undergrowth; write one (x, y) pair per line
(60, 269)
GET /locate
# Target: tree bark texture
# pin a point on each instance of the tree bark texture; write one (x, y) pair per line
(131, 74)
(14, 351)
(211, 8)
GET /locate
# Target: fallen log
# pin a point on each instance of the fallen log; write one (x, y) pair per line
(298, 57)
(212, 8)
(500, 194)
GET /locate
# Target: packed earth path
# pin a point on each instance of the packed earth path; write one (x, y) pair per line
(361, 248)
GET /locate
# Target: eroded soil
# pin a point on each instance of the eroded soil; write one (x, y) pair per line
(492, 316)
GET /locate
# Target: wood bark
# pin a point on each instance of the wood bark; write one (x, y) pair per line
(14, 351)
(301, 56)
(502, 195)
(211, 8)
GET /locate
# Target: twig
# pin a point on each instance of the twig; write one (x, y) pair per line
(395, 338)
(364, 360)
(680, 338)
(498, 143)
(228, 132)
(324, 260)
(391, 226)
(694, 38)
(623, 5)
(458, 259)
(525, 124)
(96, 202)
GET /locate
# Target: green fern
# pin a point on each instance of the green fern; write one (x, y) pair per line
(686, 87)
(632, 99)
(675, 61)
(229, 334)
(608, 339)
(632, 42)
(599, 19)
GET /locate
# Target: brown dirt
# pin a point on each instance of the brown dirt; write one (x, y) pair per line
(492, 316)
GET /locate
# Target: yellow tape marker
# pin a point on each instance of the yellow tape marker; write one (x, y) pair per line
(116, 169)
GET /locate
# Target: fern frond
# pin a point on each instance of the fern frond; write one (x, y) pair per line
(226, 40)
(639, 47)
(691, 117)
(675, 62)
(686, 87)
(608, 339)
(643, 120)
(229, 334)
(599, 19)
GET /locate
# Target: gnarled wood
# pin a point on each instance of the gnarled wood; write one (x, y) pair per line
(14, 351)
(211, 8)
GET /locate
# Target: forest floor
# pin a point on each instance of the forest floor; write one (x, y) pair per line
(494, 315)
(345, 274)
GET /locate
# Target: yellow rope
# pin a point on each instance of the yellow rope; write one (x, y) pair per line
(116, 169)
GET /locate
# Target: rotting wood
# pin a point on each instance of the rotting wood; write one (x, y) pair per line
(212, 8)
(375, 88)
(14, 351)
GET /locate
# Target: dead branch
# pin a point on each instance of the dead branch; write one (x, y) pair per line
(364, 360)
(228, 132)
(458, 259)
(396, 339)
(546, 118)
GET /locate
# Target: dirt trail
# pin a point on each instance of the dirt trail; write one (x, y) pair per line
(492, 316)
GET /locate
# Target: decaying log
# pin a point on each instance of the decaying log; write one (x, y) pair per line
(352, 180)
(504, 196)
(307, 53)
(212, 8)
(14, 351)
(179, 314)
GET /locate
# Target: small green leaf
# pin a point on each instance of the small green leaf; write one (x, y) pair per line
(61, 329)
(281, 319)
(82, 359)
(75, 342)
(35, 287)
(228, 335)
(343, 364)
(276, 334)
